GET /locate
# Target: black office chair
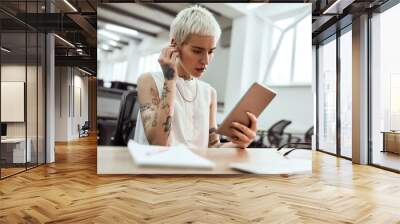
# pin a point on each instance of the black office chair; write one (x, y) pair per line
(298, 144)
(84, 129)
(124, 122)
(275, 135)
(117, 132)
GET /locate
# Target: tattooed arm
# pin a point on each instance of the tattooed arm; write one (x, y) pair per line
(156, 111)
(244, 135)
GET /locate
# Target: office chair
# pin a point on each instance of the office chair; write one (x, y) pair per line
(275, 135)
(124, 122)
(117, 132)
(84, 130)
(306, 142)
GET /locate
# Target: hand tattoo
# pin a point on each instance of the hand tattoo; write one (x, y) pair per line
(213, 138)
(167, 125)
(169, 72)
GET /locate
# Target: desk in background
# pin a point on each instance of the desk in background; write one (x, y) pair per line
(391, 141)
(117, 160)
(13, 150)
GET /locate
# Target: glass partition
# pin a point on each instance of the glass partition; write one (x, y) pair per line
(327, 96)
(22, 87)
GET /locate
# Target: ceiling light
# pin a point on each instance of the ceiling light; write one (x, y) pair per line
(109, 35)
(251, 6)
(5, 50)
(70, 5)
(65, 41)
(86, 72)
(338, 6)
(105, 47)
(113, 43)
(121, 29)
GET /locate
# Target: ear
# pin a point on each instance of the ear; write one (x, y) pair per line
(173, 41)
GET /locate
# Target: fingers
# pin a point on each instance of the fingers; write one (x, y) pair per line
(166, 54)
(240, 136)
(253, 120)
(174, 56)
(250, 134)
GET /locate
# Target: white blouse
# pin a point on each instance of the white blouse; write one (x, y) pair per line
(190, 121)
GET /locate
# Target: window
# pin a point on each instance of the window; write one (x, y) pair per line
(149, 63)
(119, 71)
(385, 88)
(327, 97)
(346, 94)
(290, 60)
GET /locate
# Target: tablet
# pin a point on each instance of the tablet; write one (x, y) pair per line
(255, 100)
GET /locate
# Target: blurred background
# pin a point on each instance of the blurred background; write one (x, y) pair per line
(267, 43)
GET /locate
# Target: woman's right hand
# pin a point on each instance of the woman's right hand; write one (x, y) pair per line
(167, 61)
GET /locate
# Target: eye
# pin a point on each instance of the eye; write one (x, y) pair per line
(196, 51)
(211, 52)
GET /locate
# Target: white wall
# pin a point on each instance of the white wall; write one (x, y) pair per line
(217, 72)
(66, 121)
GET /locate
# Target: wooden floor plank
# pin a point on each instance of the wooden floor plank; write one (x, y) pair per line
(70, 191)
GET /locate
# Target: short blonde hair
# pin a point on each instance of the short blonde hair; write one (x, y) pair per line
(194, 20)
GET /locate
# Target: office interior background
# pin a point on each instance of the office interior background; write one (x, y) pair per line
(129, 40)
(266, 43)
(329, 88)
(354, 90)
(48, 83)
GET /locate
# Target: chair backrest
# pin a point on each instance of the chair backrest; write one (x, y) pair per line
(86, 125)
(308, 134)
(124, 122)
(275, 132)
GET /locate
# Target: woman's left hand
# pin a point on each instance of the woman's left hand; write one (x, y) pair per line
(244, 135)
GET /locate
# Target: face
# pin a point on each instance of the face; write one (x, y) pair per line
(196, 53)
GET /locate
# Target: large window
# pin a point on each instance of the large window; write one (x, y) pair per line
(385, 87)
(149, 63)
(291, 52)
(327, 96)
(346, 94)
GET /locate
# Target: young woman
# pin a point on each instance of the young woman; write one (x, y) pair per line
(175, 106)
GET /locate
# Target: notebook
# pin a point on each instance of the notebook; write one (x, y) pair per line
(275, 166)
(169, 157)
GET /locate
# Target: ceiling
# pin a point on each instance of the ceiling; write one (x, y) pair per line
(77, 21)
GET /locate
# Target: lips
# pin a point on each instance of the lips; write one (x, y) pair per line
(200, 69)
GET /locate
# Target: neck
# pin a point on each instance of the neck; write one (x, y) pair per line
(183, 73)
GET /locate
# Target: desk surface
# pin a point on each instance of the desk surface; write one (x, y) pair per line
(117, 160)
(13, 140)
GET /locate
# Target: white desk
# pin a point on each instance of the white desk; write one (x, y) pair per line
(117, 160)
(19, 149)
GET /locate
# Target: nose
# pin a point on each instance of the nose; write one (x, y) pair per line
(205, 59)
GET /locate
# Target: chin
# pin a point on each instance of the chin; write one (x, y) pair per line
(197, 74)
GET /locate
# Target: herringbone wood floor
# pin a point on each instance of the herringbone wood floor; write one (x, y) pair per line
(69, 191)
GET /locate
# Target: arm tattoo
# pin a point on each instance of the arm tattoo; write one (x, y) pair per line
(145, 107)
(155, 100)
(154, 123)
(213, 138)
(167, 125)
(168, 72)
(165, 104)
(165, 92)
